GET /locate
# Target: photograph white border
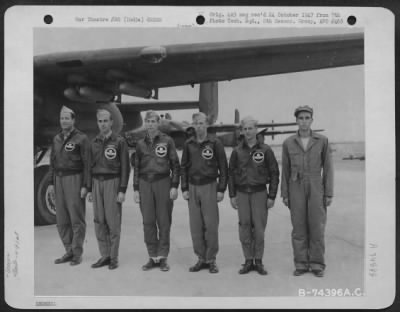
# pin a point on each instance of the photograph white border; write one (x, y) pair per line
(378, 24)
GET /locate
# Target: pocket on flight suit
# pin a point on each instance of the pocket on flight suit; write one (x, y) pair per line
(294, 174)
(294, 157)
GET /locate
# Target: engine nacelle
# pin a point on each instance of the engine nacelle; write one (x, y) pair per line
(95, 94)
(131, 89)
(87, 95)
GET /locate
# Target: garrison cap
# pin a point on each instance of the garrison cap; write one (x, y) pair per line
(65, 109)
(304, 108)
(151, 114)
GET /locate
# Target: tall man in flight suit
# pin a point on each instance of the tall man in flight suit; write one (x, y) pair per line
(252, 167)
(155, 183)
(108, 178)
(307, 192)
(68, 173)
(203, 162)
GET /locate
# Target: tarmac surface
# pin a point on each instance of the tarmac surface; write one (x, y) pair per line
(344, 253)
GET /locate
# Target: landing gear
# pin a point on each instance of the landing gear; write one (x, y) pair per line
(45, 208)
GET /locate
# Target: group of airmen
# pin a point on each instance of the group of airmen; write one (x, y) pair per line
(99, 170)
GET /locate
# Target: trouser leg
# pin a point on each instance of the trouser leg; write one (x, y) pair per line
(164, 206)
(196, 223)
(63, 218)
(259, 213)
(209, 208)
(100, 225)
(317, 222)
(298, 213)
(245, 226)
(148, 210)
(76, 208)
(113, 211)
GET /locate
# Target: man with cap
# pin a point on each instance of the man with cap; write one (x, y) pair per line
(307, 190)
(68, 177)
(108, 180)
(203, 182)
(155, 183)
(252, 166)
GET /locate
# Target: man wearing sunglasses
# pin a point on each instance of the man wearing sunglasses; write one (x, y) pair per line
(307, 190)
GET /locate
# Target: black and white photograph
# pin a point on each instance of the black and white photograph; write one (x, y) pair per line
(225, 163)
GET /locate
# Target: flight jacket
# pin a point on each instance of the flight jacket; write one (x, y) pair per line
(203, 163)
(251, 169)
(156, 160)
(109, 159)
(69, 156)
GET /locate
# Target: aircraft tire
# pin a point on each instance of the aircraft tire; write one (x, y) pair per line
(44, 204)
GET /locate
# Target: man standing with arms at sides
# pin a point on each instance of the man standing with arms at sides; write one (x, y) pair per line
(203, 162)
(155, 183)
(68, 174)
(252, 167)
(307, 192)
(108, 178)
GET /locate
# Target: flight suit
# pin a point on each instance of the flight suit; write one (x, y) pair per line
(108, 175)
(251, 169)
(202, 164)
(68, 174)
(307, 176)
(156, 171)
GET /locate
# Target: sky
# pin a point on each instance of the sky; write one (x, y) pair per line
(336, 95)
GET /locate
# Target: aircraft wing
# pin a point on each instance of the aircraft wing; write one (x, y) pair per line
(140, 70)
(277, 132)
(232, 127)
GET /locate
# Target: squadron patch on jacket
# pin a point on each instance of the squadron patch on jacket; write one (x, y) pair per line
(110, 152)
(207, 153)
(161, 149)
(258, 157)
(69, 147)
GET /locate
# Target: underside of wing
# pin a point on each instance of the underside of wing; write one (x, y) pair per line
(141, 71)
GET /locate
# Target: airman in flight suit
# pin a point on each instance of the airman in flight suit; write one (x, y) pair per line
(68, 177)
(307, 189)
(252, 166)
(155, 183)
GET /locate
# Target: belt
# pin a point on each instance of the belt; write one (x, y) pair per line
(251, 188)
(196, 180)
(102, 177)
(151, 177)
(67, 172)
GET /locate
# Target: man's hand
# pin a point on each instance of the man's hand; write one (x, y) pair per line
(234, 203)
(120, 197)
(136, 197)
(83, 192)
(270, 203)
(286, 202)
(185, 195)
(220, 196)
(327, 201)
(90, 197)
(173, 193)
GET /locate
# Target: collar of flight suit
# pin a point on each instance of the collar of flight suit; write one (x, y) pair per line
(207, 139)
(147, 138)
(99, 137)
(313, 138)
(244, 144)
(68, 135)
